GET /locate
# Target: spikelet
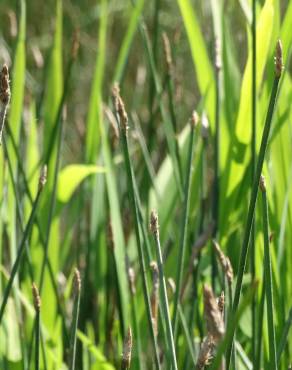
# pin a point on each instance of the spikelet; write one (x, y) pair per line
(205, 354)
(36, 298)
(215, 324)
(279, 59)
(154, 226)
(224, 261)
(127, 351)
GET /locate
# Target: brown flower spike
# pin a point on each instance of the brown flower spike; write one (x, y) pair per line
(279, 66)
(215, 324)
(4, 96)
(127, 351)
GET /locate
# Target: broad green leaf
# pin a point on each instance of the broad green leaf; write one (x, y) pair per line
(71, 176)
(243, 122)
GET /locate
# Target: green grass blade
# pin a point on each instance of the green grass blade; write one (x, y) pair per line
(268, 279)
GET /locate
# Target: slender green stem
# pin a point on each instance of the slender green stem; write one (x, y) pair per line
(253, 167)
(133, 202)
(184, 227)
(19, 254)
(269, 283)
(284, 336)
(257, 363)
(251, 209)
(187, 335)
(165, 305)
(73, 339)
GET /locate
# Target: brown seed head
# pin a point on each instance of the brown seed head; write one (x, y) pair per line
(279, 66)
(205, 354)
(43, 177)
(36, 297)
(221, 302)
(224, 261)
(154, 226)
(167, 53)
(215, 324)
(262, 184)
(127, 351)
(4, 86)
(195, 119)
(120, 108)
(77, 281)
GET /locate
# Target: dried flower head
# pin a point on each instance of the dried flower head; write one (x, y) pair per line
(127, 351)
(262, 184)
(154, 226)
(43, 177)
(120, 109)
(279, 66)
(4, 96)
(224, 261)
(77, 281)
(36, 297)
(205, 354)
(167, 53)
(4, 86)
(221, 303)
(215, 324)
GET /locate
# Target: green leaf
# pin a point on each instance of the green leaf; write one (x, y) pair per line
(71, 176)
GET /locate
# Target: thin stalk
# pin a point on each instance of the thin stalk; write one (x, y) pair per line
(73, 339)
(253, 167)
(37, 306)
(184, 225)
(187, 335)
(37, 221)
(122, 121)
(268, 279)
(165, 306)
(284, 336)
(21, 247)
(254, 193)
(51, 206)
(257, 363)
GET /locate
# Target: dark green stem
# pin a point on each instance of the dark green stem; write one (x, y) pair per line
(269, 285)
(251, 209)
(184, 227)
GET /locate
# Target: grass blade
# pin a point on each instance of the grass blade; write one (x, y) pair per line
(268, 278)
(260, 162)
(73, 339)
(22, 244)
(165, 306)
(184, 225)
